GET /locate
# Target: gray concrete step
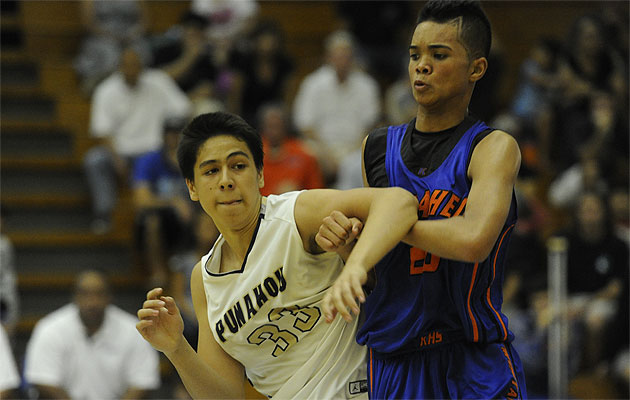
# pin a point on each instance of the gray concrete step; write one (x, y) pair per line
(42, 181)
(55, 143)
(67, 260)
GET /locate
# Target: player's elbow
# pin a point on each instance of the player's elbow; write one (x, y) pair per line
(408, 203)
(477, 248)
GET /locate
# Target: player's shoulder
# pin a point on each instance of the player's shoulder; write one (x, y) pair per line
(498, 139)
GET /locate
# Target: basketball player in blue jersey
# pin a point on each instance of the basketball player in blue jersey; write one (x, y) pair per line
(433, 322)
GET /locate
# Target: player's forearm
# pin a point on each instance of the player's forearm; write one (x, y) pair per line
(453, 238)
(202, 381)
(391, 216)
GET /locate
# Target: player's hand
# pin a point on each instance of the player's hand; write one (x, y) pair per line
(337, 231)
(345, 294)
(161, 323)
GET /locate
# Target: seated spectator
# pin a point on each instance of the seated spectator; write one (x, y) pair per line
(9, 297)
(400, 106)
(587, 175)
(163, 208)
(288, 163)
(597, 273)
(596, 126)
(127, 117)
(619, 204)
(263, 68)
(181, 266)
(109, 27)
(538, 83)
(9, 376)
(185, 53)
(336, 106)
(229, 23)
(90, 349)
(592, 62)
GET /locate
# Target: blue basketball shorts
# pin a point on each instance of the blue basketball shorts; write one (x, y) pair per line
(458, 370)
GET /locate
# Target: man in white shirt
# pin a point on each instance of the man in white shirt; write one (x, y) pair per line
(9, 377)
(128, 112)
(337, 105)
(90, 349)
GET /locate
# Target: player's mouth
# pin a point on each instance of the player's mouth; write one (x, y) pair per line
(419, 85)
(230, 202)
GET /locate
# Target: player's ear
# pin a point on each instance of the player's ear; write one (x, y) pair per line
(192, 190)
(261, 179)
(478, 68)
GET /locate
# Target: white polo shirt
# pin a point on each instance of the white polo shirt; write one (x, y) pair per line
(103, 366)
(9, 378)
(134, 117)
(340, 114)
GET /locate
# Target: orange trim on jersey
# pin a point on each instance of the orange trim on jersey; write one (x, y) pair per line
(494, 270)
(470, 314)
(371, 375)
(509, 360)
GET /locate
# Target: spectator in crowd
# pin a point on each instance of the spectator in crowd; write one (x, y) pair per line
(400, 106)
(185, 53)
(595, 126)
(592, 63)
(9, 297)
(531, 323)
(9, 376)
(229, 24)
(597, 274)
(127, 117)
(336, 105)
(389, 22)
(110, 26)
(263, 69)
(181, 266)
(619, 204)
(89, 349)
(163, 208)
(587, 175)
(484, 102)
(288, 163)
(538, 81)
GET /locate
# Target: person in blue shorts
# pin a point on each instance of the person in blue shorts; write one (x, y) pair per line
(433, 321)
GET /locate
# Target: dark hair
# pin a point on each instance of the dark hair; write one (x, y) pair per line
(192, 19)
(206, 126)
(476, 32)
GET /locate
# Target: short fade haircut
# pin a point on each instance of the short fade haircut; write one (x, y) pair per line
(476, 33)
(206, 126)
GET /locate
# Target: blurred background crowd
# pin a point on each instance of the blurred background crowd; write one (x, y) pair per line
(95, 92)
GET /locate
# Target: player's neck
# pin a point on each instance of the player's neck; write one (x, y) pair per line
(237, 243)
(427, 121)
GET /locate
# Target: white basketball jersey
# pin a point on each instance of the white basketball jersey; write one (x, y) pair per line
(268, 315)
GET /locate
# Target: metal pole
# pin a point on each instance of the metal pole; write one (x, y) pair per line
(558, 335)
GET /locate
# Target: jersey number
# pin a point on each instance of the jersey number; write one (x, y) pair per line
(421, 261)
(305, 320)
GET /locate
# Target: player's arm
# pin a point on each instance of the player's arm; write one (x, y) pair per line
(470, 237)
(208, 373)
(338, 231)
(388, 214)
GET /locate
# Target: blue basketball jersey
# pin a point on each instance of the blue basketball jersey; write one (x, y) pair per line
(421, 300)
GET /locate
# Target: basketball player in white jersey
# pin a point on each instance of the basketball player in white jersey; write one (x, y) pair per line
(258, 292)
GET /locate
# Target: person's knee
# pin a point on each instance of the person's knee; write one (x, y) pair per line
(97, 157)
